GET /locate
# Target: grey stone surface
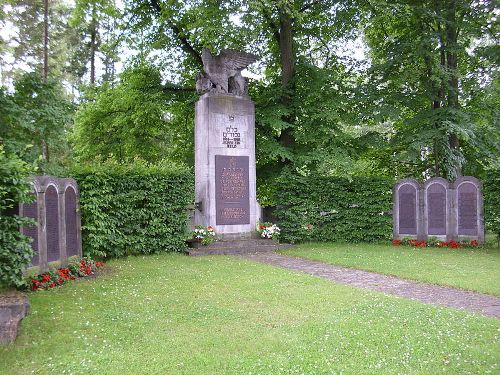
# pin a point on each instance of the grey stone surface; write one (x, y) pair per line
(222, 73)
(427, 293)
(51, 230)
(237, 247)
(468, 208)
(215, 116)
(444, 210)
(407, 209)
(14, 306)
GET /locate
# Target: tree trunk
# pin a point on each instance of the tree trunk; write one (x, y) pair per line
(452, 69)
(287, 58)
(93, 45)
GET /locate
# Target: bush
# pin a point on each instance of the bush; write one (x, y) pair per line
(133, 209)
(319, 208)
(491, 191)
(15, 249)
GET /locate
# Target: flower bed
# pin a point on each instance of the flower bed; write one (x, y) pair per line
(51, 279)
(204, 235)
(452, 244)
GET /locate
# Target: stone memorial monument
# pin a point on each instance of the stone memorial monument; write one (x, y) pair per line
(225, 147)
(57, 233)
(439, 209)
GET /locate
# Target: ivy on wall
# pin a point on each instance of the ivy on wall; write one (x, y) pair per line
(133, 209)
(319, 208)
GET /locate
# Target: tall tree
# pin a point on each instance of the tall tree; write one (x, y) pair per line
(425, 60)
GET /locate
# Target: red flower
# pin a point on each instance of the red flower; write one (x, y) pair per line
(46, 278)
(474, 243)
(52, 284)
(396, 242)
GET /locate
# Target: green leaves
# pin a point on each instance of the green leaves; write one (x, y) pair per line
(15, 249)
(133, 209)
(319, 208)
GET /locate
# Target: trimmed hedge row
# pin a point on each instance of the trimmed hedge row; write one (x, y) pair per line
(491, 191)
(319, 208)
(133, 209)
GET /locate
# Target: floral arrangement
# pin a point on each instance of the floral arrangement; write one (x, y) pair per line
(51, 279)
(205, 235)
(268, 230)
(452, 244)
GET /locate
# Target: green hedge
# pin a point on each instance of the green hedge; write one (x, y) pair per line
(491, 191)
(319, 208)
(134, 209)
(15, 248)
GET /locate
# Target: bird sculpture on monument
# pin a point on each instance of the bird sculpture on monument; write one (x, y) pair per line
(223, 72)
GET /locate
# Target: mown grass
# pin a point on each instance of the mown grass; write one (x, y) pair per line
(172, 314)
(472, 269)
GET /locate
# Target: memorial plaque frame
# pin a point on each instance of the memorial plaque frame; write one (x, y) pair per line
(398, 231)
(40, 185)
(436, 211)
(459, 231)
(451, 230)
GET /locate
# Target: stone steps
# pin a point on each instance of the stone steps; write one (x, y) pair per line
(235, 247)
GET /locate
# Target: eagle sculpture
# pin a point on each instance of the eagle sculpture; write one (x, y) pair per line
(223, 72)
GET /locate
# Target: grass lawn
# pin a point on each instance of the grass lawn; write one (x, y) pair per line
(172, 314)
(473, 269)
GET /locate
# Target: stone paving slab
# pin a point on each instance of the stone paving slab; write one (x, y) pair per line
(427, 293)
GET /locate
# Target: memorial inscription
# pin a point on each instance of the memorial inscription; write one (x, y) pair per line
(467, 210)
(407, 210)
(231, 190)
(436, 209)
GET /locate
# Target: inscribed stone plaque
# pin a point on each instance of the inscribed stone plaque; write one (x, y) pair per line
(31, 210)
(232, 130)
(232, 199)
(52, 220)
(436, 209)
(71, 229)
(467, 210)
(407, 209)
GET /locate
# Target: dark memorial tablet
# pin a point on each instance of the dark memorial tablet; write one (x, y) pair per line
(52, 219)
(467, 210)
(436, 209)
(232, 199)
(407, 209)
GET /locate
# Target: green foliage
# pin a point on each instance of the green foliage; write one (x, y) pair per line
(491, 191)
(322, 208)
(34, 119)
(125, 121)
(15, 249)
(133, 209)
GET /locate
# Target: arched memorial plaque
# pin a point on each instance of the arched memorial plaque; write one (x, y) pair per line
(406, 215)
(52, 223)
(436, 206)
(469, 208)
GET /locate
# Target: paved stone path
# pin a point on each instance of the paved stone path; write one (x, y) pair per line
(427, 293)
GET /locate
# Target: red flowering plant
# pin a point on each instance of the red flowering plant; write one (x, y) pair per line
(52, 278)
(434, 242)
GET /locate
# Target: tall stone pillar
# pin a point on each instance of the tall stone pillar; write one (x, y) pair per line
(225, 164)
